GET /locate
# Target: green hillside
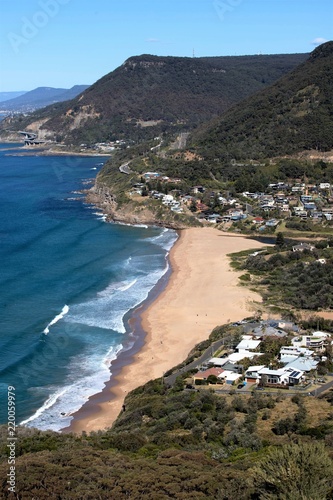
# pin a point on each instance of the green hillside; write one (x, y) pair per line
(292, 115)
(149, 95)
(184, 444)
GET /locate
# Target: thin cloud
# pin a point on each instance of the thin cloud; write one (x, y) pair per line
(319, 41)
(153, 40)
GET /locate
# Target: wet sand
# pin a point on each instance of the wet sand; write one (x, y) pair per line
(201, 292)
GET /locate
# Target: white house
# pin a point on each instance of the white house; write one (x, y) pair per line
(167, 199)
(237, 356)
(303, 246)
(218, 361)
(229, 376)
(285, 376)
(314, 341)
(248, 344)
(252, 373)
(287, 350)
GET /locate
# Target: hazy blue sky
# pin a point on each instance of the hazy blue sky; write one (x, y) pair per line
(60, 43)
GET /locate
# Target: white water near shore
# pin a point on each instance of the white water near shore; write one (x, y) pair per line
(89, 373)
(57, 318)
(68, 282)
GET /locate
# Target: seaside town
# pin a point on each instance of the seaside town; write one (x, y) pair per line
(248, 212)
(166, 198)
(271, 355)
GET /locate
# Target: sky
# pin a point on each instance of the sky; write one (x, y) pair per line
(61, 43)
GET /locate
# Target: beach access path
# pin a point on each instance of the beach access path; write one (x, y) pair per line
(203, 292)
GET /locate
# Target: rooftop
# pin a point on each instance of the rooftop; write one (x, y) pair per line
(255, 368)
(247, 344)
(211, 371)
(303, 364)
(218, 361)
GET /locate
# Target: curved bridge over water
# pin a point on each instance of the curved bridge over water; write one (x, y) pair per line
(30, 138)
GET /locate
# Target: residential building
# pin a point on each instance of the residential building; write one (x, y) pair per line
(295, 351)
(282, 376)
(263, 331)
(272, 223)
(252, 373)
(230, 377)
(315, 341)
(247, 344)
(203, 375)
(218, 362)
(303, 246)
(304, 364)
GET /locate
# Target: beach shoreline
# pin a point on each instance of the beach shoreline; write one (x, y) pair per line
(40, 151)
(200, 292)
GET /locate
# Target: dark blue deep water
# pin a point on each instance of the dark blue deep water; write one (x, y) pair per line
(67, 279)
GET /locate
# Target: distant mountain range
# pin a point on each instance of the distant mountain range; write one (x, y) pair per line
(149, 95)
(5, 96)
(37, 98)
(292, 115)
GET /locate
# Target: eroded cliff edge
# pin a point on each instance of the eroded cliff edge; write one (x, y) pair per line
(119, 207)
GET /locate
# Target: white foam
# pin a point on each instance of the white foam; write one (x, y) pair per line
(58, 409)
(118, 286)
(118, 223)
(166, 239)
(111, 355)
(108, 309)
(51, 400)
(128, 286)
(64, 311)
(100, 216)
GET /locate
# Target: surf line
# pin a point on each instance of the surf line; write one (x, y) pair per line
(64, 311)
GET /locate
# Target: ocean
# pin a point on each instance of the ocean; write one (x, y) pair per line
(68, 284)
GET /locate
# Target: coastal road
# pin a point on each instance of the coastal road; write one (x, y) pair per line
(156, 147)
(319, 390)
(205, 356)
(124, 168)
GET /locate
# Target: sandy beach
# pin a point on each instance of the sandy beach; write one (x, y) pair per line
(201, 293)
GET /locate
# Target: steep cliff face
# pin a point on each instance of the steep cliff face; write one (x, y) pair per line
(131, 212)
(101, 196)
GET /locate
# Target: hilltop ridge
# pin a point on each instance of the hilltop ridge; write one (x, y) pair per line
(39, 98)
(292, 115)
(149, 95)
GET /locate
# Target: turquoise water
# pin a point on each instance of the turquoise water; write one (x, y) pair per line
(67, 280)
